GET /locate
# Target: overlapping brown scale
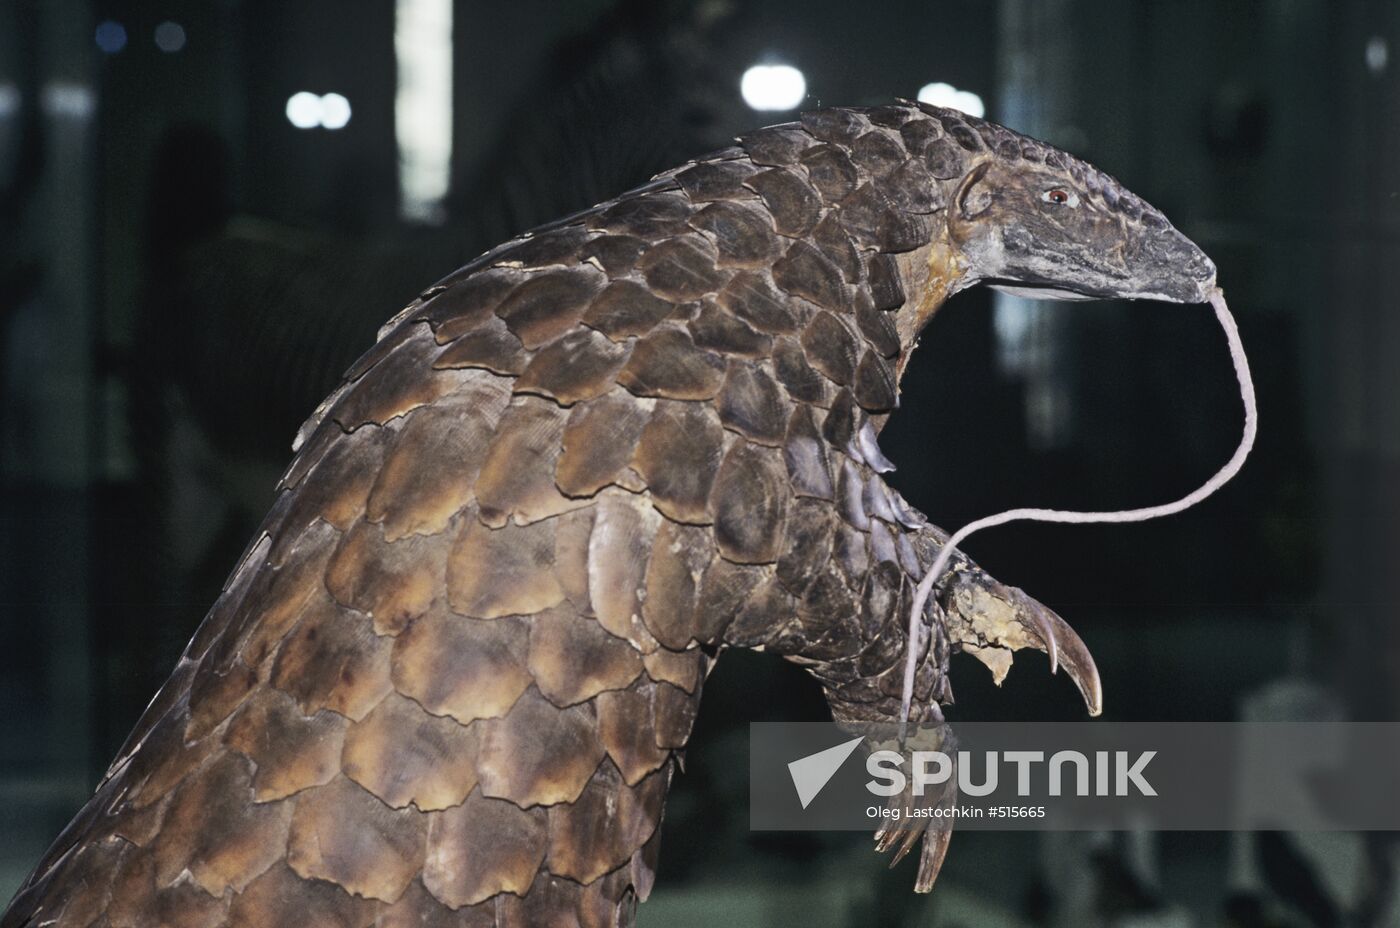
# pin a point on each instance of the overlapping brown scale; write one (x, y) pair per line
(214, 695)
(752, 404)
(753, 298)
(874, 387)
(391, 582)
(490, 346)
(946, 159)
(776, 145)
(572, 532)
(538, 754)
(344, 475)
(502, 571)
(579, 366)
(850, 497)
(216, 832)
(282, 595)
(558, 246)
(890, 115)
(549, 303)
(403, 755)
(807, 457)
(831, 348)
(625, 308)
(461, 667)
(163, 762)
(839, 427)
(280, 897)
(626, 729)
(185, 905)
(681, 668)
(882, 548)
(912, 188)
(403, 381)
(831, 171)
(885, 287)
(605, 903)
(291, 752)
(133, 887)
(877, 224)
(673, 715)
(682, 268)
(573, 658)
(649, 217)
(918, 132)
(749, 504)
(877, 326)
(334, 660)
(806, 272)
(723, 590)
(827, 603)
(877, 502)
(850, 548)
(456, 870)
(667, 363)
(517, 477)
(417, 908)
(431, 468)
(807, 543)
(678, 456)
(608, 823)
(831, 238)
(140, 826)
(716, 180)
(624, 529)
(344, 835)
(1001, 142)
(466, 303)
(797, 376)
(792, 204)
(842, 126)
(599, 440)
(715, 329)
(57, 904)
(766, 619)
(615, 254)
(878, 152)
(960, 131)
(679, 556)
(743, 233)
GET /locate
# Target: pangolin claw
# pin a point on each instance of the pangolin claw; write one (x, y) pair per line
(991, 620)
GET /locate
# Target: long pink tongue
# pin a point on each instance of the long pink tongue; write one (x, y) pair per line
(1222, 476)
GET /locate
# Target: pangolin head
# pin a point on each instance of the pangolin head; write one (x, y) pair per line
(1030, 219)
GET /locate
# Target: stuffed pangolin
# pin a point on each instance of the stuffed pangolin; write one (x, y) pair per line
(450, 679)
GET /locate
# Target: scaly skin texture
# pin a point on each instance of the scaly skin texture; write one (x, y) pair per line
(449, 681)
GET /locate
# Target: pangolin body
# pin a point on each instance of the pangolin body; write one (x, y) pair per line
(448, 681)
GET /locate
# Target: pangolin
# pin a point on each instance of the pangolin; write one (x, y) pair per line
(450, 679)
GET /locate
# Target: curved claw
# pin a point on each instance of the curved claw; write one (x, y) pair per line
(992, 620)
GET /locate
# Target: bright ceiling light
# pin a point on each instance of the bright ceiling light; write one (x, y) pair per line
(773, 87)
(335, 111)
(946, 95)
(304, 110)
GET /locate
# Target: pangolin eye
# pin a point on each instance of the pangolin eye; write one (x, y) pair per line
(1060, 197)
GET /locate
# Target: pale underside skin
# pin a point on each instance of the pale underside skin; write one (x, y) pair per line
(451, 679)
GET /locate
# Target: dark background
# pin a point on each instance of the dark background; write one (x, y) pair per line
(184, 274)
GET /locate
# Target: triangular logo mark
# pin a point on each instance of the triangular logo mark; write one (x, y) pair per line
(811, 773)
